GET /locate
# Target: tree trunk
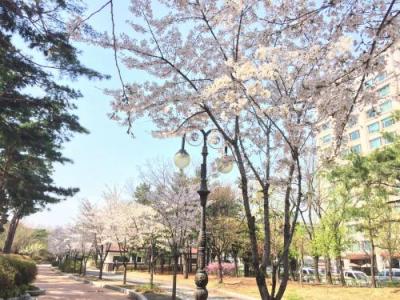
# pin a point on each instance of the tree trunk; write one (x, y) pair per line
(220, 271)
(235, 260)
(328, 273)
(260, 274)
(81, 266)
(174, 276)
(125, 269)
(293, 268)
(373, 263)
(301, 270)
(151, 267)
(186, 266)
(11, 233)
(390, 266)
(103, 256)
(339, 267)
(316, 268)
(246, 269)
(190, 259)
(75, 259)
(101, 269)
(135, 262)
(85, 260)
(162, 262)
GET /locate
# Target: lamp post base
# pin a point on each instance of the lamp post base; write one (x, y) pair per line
(201, 280)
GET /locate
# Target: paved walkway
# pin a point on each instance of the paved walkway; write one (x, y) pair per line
(60, 287)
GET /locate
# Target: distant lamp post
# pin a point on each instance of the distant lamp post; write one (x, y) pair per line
(224, 165)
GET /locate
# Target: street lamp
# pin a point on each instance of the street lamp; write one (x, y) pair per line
(224, 165)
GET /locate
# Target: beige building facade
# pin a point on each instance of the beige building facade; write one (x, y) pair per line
(364, 134)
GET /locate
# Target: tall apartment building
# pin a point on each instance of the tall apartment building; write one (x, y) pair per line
(364, 134)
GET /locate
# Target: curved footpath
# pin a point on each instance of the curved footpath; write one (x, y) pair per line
(59, 287)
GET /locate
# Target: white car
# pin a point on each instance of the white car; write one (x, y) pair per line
(356, 277)
(383, 276)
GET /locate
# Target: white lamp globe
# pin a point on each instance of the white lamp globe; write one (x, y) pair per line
(182, 159)
(225, 164)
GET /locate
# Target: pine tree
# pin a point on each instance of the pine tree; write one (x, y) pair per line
(36, 112)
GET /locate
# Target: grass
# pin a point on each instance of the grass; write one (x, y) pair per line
(295, 291)
(143, 288)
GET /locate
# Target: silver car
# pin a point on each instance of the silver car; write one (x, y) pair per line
(383, 276)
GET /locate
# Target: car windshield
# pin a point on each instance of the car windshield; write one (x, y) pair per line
(361, 276)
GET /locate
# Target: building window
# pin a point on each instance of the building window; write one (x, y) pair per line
(352, 121)
(369, 83)
(384, 91)
(371, 113)
(386, 106)
(380, 77)
(326, 139)
(325, 126)
(354, 135)
(366, 245)
(374, 127)
(375, 143)
(356, 148)
(386, 122)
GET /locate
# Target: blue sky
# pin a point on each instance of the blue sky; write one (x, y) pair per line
(107, 156)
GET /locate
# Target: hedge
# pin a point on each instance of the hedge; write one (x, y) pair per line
(16, 273)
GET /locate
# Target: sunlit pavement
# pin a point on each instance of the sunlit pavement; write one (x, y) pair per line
(61, 287)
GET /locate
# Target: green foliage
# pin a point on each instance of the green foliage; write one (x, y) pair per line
(301, 243)
(16, 273)
(36, 110)
(7, 276)
(67, 266)
(141, 194)
(29, 241)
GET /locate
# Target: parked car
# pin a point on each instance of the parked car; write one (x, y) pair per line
(383, 276)
(354, 277)
(307, 274)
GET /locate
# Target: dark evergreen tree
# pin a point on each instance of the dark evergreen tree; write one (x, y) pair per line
(36, 112)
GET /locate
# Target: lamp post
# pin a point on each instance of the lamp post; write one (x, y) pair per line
(224, 165)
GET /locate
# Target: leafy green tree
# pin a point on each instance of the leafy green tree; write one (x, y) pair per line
(224, 224)
(368, 185)
(141, 194)
(389, 236)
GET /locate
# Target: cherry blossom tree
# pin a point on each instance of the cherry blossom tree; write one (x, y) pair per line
(174, 198)
(95, 220)
(57, 242)
(82, 240)
(125, 226)
(264, 73)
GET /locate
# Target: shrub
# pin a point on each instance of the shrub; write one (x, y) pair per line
(16, 272)
(227, 268)
(67, 266)
(7, 276)
(54, 263)
(26, 270)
